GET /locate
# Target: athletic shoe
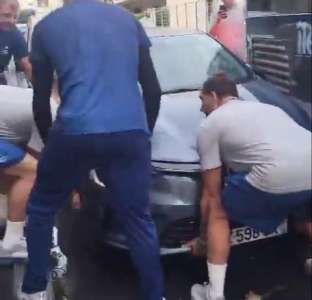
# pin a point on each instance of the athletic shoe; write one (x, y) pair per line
(17, 250)
(202, 292)
(35, 296)
(60, 267)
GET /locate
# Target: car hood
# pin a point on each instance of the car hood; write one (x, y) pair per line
(174, 141)
(175, 134)
(296, 108)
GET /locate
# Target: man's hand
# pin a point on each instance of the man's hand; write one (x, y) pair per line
(27, 67)
(76, 200)
(198, 247)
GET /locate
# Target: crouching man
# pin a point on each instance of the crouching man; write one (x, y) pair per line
(270, 155)
(19, 150)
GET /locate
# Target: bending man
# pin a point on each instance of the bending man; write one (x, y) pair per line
(270, 155)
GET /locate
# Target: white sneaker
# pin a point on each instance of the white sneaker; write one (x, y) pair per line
(60, 268)
(17, 250)
(201, 292)
(35, 296)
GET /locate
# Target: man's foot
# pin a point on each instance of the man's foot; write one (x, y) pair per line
(16, 250)
(202, 292)
(60, 267)
(35, 296)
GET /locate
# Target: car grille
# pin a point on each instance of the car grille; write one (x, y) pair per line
(179, 232)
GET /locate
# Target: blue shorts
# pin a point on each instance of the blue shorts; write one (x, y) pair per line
(10, 154)
(263, 211)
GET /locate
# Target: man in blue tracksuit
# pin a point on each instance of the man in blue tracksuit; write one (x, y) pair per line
(99, 53)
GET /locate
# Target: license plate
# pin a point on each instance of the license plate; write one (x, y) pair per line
(244, 235)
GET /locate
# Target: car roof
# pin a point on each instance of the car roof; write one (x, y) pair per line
(165, 32)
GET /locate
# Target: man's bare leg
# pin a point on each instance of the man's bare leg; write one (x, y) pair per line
(23, 177)
(216, 231)
(218, 249)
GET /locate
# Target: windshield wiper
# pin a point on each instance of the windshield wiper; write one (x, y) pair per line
(177, 91)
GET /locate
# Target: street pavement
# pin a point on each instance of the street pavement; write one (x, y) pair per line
(270, 268)
(97, 272)
(264, 270)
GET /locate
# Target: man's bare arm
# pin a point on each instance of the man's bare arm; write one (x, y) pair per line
(218, 228)
(27, 68)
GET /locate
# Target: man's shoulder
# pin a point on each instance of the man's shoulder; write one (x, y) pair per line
(222, 112)
(256, 108)
(75, 10)
(236, 107)
(99, 6)
(14, 30)
(51, 17)
(113, 11)
(111, 8)
(221, 115)
(12, 34)
(211, 122)
(49, 22)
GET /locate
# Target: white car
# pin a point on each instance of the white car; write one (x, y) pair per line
(183, 61)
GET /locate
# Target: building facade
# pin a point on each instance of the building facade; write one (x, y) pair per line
(192, 14)
(40, 4)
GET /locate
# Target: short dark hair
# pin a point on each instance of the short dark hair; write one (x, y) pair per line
(221, 84)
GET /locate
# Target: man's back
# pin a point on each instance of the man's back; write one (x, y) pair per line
(94, 48)
(16, 118)
(263, 140)
(17, 123)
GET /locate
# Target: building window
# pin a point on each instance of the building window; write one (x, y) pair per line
(162, 17)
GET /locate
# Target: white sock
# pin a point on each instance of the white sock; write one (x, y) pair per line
(13, 233)
(216, 274)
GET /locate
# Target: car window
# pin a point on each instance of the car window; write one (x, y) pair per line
(185, 62)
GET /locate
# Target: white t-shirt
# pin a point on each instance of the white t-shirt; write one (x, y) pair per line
(261, 140)
(16, 117)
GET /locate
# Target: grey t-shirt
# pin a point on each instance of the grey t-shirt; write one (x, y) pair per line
(261, 140)
(16, 117)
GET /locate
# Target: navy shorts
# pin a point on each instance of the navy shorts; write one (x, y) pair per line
(10, 154)
(263, 211)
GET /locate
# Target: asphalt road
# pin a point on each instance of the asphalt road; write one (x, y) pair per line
(97, 273)
(264, 269)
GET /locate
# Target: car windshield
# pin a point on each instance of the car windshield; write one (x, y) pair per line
(184, 62)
